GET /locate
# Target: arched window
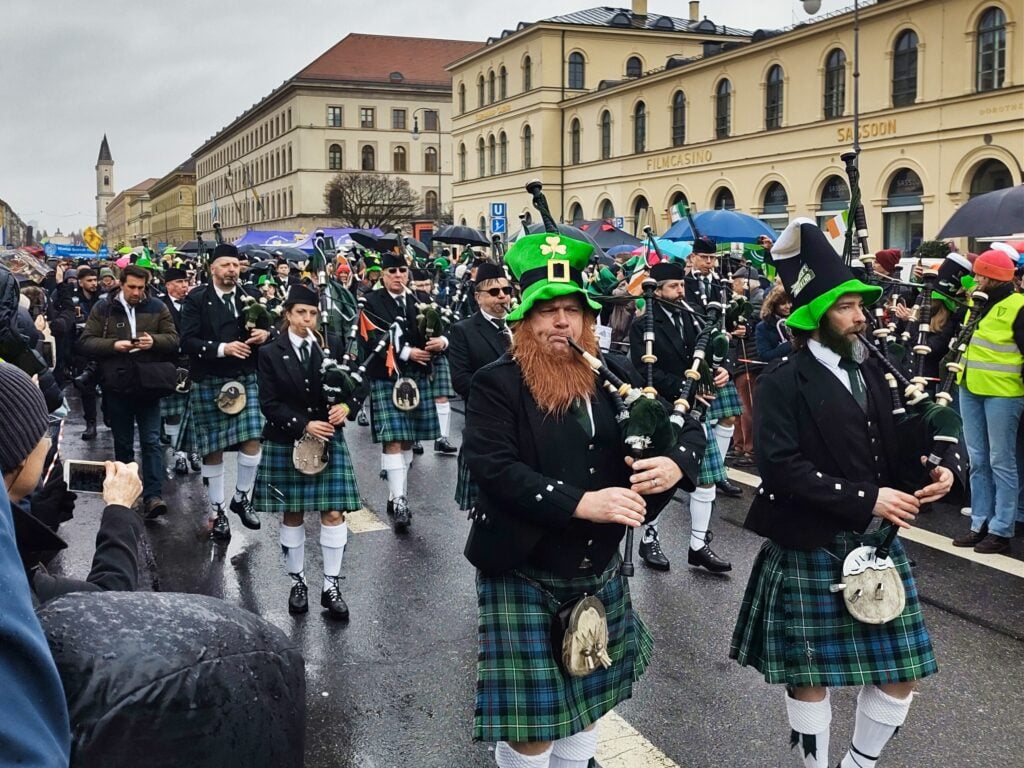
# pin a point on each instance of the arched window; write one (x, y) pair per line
(835, 84)
(724, 201)
(527, 147)
(640, 208)
(904, 69)
(490, 87)
(575, 214)
(502, 83)
(398, 160)
(481, 169)
(574, 141)
(576, 71)
(480, 91)
(678, 119)
(462, 98)
(723, 110)
(773, 99)
(640, 128)
(430, 203)
(774, 206)
(606, 135)
(990, 176)
(106, 181)
(462, 162)
(502, 153)
(334, 157)
(607, 210)
(634, 67)
(430, 160)
(527, 74)
(492, 156)
(674, 201)
(903, 214)
(991, 53)
(367, 158)
(483, 224)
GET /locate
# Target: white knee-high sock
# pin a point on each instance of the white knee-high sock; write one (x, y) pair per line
(810, 721)
(247, 466)
(701, 503)
(651, 530)
(879, 715)
(723, 436)
(506, 757)
(574, 751)
(444, 417)
(213, 474)
(333, 539)
(173, 430)
(293, 539)
(395, 466)
(407, 458)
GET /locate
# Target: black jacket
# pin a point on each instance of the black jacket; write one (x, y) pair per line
(382, 309)
(674, 349)
(816, 453)
(532, 470)
(473, 343)
(206, 324)
(290, 395)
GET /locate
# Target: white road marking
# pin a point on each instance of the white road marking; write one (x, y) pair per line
(926, 538)
(620, 745)
(364, 521)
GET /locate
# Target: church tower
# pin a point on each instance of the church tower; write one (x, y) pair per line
(104, 185)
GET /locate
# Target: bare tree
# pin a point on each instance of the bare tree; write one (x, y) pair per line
(367, 200)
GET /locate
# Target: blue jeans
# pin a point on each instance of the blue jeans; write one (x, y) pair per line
(990, 429)
(125, 412)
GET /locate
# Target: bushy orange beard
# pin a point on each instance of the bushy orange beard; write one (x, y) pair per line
(554, 380)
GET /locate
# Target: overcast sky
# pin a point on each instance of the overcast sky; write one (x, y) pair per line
(159, 77)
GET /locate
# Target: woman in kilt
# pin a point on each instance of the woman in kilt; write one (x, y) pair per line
(831, 465)
(556, 491)
(293, 402)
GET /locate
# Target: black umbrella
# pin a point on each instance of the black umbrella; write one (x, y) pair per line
(607, 235)
(289, 253)
(576, 234)
(254, 252)
(367, 240)
(456, 234)
(417, 246)
(993, 214)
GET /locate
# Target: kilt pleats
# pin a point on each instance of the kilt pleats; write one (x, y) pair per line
(216, 430)
(390, 425)
(281, 488)
(726, 403)
(440, 379)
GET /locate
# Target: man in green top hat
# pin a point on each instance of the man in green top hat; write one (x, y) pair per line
(832, 470)
(556, 490)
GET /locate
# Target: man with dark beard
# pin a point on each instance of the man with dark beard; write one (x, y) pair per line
(556, 491)
(832, 470)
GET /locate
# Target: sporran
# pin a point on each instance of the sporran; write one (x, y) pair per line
(579, 636)
(232, 398)
(872, 588)
(310, 455)
(406, 394)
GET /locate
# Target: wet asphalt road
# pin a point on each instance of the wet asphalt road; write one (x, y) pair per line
(394, 687)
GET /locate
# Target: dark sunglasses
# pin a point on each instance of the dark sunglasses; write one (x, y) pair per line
(498, 291)
(397, 270)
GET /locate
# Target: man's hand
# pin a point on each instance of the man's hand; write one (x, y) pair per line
(943, 477)
(612, 505)
(123, 346)
(654, 475)
(740, 332)
(321, 429)
(122, 485)
(145, 341)
(239, 349)
(420, 356)
(337, 414)
(896, 507)
(902, 312)
(257, 336)
(721, 377)
(436, 345)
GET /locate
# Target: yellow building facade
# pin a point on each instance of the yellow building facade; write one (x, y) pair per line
(759, 124)
(127, 214)
(172, 203)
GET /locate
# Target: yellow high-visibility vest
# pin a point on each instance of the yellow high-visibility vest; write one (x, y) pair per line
(993, 361)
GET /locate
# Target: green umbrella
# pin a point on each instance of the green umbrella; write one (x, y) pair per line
(124, 250)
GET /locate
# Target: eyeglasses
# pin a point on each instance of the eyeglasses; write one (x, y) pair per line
(397, 270)
(505, 291)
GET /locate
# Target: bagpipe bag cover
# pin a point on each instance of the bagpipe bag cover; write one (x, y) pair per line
(164, 679)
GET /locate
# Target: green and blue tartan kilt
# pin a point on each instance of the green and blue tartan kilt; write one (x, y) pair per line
(522, 693)
(216, 430)
(795, 631)
(712, 465)
(465, 488)
(440, 379)
(726, 403)
(390, 425)
(175, 406)
(282, 488)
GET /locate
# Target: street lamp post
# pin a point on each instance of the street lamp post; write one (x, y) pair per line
(416, 137)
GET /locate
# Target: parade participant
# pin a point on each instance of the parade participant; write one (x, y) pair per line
(556, 490)
(269, 292)
(293, 402)
(992, 401)
(394, 307)
(224, 397)
(830, 475)
(674, 339)
(134, 340)
(173, 408)
(475, 342)
(108, 280)
(774, 338)
(739, 323)
(441, 375)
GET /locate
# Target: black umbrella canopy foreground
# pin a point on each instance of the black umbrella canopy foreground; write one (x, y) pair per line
(254, 252)
(457, 234)
(994, 214)
(419, 247)
(607, 235)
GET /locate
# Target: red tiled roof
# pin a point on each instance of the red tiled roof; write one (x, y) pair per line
(373, 59)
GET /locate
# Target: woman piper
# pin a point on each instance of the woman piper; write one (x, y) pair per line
(293, 402)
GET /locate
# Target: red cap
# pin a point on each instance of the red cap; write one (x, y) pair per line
(995, 265)
(888, 259)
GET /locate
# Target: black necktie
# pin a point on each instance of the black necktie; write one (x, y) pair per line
(856, 383)
(229, 302)
(304, 352)
(499, 324)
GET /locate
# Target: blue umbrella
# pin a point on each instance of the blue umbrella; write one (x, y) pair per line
(675, 250)
(615, 250)
(723, 226)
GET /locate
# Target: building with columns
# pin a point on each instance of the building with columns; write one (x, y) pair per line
(172, 202)
(623, 113)
(128, 215)
(104, 185)
(352, 109)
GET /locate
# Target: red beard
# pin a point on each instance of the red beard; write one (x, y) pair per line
(554, 380)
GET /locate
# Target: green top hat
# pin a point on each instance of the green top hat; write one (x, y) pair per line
(548, 265)
(146, 263)
(813, 274)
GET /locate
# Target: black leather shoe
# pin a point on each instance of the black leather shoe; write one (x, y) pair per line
(180, 464)
(153, 507)
(403, 516)
(652, 555)
(195, 463)
(332, 600)
(729, 489)
(90, 431)
(442, 446)
(221, 529)
(391, 507)
(417, 448)
(165, 440)
(706, 558)
(993, 545)
(244, 509)
(362, 420)
(298, 598)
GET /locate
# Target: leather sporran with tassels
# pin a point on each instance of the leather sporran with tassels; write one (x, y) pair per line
(310, 455)
(579, 636)
(406, 394)
(232, 398)
(872, 587)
